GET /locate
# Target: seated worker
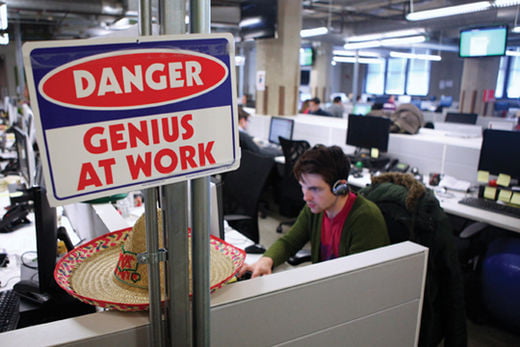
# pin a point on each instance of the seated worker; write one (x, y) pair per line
(315, 108)
(336, 109)
(247, 142)
(337, 222)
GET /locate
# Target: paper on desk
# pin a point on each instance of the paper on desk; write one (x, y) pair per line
(483, 176)
(515, 199)
(454, 184)
(503, 180)
(490, 192)
(505, 195)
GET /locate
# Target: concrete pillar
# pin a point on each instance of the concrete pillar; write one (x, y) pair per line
(478, 75)
(279, 59)
(321, 71)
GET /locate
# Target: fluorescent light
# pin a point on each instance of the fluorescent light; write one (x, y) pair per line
(449, 11)
(404, 55)
(365, 44)
(314, 32)
(513, 53)
(389, 34)
(505, 3)
(359, 60)
(403, 40)
(516, 29)
(359, 53)
(250, 22)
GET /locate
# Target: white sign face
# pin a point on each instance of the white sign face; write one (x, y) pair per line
(117, 115)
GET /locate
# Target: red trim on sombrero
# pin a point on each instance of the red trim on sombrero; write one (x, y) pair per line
(67, 264)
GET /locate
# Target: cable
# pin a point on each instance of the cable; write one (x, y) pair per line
(26, 264)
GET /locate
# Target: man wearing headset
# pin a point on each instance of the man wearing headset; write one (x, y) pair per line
(336, 221)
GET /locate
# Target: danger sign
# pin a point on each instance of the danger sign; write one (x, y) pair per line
(119, 115)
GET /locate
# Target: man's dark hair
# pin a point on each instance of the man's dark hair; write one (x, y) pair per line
(336, 99)
(316, 100)
(328, 162)
(242, 114)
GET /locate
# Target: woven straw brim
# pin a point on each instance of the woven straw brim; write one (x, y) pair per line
(87, 272)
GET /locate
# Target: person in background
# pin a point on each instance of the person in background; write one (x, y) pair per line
(315, 108)
(337, 108)
(336, 221)
(390, 104)
(305, 106)
(247, 141)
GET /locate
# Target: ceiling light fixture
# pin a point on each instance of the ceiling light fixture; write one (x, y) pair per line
(404, 55)
(447, 11)
(513, 53)
(386, 35)
(505, 3)
(359, 53)
(516, 27)
(3, 15)
(314, 32)
(353, 60)
(400, 41)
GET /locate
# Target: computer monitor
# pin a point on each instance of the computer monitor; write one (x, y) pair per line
(464, 118)
(280, 126)
(500, 152)
(368, 132)
(361, 109)
(26, 156)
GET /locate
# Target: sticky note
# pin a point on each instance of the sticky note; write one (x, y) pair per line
(490, 192)
(515, 199)
(505, 195)
(483, 176)
(374, 153)
(503, 180)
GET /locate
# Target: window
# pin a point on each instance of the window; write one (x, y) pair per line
(395, 76)
(375, 81)
(508, 78)
(418, 77)
(399, 76)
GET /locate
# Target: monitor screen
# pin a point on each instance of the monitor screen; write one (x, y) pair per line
(26, 156)
(306, 56)
(368, 132)
(258, 19)
(280, 126)
(361, 109)
(464, 118)
(483, 42)
(500, 152)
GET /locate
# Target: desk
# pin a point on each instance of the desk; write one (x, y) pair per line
(451, 205)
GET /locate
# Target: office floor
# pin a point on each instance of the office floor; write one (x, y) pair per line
(479, 335)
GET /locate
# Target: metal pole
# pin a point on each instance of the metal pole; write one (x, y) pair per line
(200, 22)
(152, 242)
(355, 80)
(175, 207)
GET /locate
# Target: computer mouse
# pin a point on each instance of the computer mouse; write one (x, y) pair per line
(247, 275)
(255, 249)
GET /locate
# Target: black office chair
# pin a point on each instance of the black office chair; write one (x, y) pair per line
(290, 196)
(241, 191)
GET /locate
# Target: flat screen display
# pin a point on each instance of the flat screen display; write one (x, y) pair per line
(500, 152)
(280, 126)
(368, 132)
(464, 118)
(483, 42)
(258, 19)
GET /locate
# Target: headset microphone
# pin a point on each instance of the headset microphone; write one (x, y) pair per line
(340, 188)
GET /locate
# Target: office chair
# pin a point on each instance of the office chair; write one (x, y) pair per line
(289, 190)
(241, 191)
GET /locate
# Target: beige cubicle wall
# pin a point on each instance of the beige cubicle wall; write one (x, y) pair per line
(429, 151)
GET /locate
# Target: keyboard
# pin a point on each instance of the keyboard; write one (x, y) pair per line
(491, 206)
(9, 310)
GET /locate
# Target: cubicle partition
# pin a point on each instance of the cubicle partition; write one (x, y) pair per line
(372, 298)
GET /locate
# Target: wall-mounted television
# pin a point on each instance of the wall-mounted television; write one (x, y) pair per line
(306, 56)
(258, 19)
(483, 41)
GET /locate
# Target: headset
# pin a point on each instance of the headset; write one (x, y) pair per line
(340, 188)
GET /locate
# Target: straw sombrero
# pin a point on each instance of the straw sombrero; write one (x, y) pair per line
(105, 272)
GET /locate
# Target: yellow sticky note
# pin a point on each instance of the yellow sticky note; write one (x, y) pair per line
(483, 176)
(505, 195)
(504, 180)
(515, 199)
(374, 153)
(490, 192)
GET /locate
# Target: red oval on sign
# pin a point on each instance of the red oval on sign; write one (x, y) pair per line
(133, 79)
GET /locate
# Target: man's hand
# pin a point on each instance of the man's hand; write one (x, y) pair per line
(262, 267)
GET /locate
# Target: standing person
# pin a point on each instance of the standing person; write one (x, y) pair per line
(336, 221)
(315, 108)
(336, 109)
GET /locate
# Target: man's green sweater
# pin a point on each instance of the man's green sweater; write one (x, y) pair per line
(364, 229)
